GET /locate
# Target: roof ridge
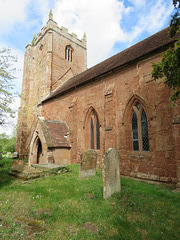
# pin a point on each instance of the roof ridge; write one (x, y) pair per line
(151, 44)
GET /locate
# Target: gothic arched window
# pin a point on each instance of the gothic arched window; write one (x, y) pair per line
(140, 136)
(94, 130)
(69, 53)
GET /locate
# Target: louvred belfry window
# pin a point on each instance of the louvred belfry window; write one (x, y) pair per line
(140, 138)
(69, 53)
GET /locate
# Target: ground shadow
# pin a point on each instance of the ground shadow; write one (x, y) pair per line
(5, 178)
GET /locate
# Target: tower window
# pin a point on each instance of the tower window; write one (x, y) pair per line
(69, 53)
(140, 138)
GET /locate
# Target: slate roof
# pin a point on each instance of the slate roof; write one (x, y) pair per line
(54, 132)
(151, 44)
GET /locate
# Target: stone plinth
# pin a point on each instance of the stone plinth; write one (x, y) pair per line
(25, 172)
(88, 164)
(111, 173)
(45, 167)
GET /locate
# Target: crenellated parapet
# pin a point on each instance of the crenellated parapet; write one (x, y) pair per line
(51, 25)
(53, 57)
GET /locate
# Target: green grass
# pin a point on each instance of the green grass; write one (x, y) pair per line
(66, 207)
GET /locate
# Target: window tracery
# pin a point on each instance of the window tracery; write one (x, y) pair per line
(140, 136)
(92, 129)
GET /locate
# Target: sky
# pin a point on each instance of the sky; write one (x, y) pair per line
(110, 25)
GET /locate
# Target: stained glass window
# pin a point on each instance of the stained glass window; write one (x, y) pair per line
(97, 134)
(144, 127)
(138, 105)
(140, 138)
(92, 134)
(135, 132)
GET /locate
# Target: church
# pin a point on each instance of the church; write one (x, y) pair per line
(67, 108)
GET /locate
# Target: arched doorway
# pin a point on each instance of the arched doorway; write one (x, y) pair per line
(36, 155)
(39, 151)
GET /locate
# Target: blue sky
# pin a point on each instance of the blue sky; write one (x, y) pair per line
(110, 25)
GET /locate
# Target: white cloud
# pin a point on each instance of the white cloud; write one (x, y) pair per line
(151, 17)
(19, 69)
(11, 12)
(138, 3)
(101, 20)
(156, 16)
(98, 18)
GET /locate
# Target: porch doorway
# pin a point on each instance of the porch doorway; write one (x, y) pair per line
(39, 151)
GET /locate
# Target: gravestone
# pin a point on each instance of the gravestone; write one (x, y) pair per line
(88, 163)
(8, 154)
(15, 155)
(111, 173)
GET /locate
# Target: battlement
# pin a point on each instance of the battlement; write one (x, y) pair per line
(51, 25)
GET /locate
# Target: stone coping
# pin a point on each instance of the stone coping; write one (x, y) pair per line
(47, 166)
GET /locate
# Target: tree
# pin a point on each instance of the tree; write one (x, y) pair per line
(8, 143)
(6, 84)
(169, 66)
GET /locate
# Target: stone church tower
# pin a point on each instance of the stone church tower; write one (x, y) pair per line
(53, 57)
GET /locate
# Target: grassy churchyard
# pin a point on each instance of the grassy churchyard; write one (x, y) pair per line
(66, 207)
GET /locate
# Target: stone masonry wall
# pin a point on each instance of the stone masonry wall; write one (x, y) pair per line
(62, 69)
(112, 97)
(45, 68)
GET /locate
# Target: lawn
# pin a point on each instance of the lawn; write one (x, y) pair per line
(66, 207)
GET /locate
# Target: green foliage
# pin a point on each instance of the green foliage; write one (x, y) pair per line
(8, 144)
(169, 66)
(6, 84)
(66, 207)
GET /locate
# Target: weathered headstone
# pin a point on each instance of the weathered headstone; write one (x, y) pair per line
(8, 154)
(111, 173)
(88, 163)
(15, 155)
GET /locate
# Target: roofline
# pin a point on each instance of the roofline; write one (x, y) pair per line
(88, 81)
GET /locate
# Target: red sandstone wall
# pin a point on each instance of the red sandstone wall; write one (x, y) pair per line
(62, 69)
(45, 68)
(112, 97)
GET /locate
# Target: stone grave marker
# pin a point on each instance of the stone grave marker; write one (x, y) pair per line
(15, 155)
(8, 154)
(111, 173)
(88, 163)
